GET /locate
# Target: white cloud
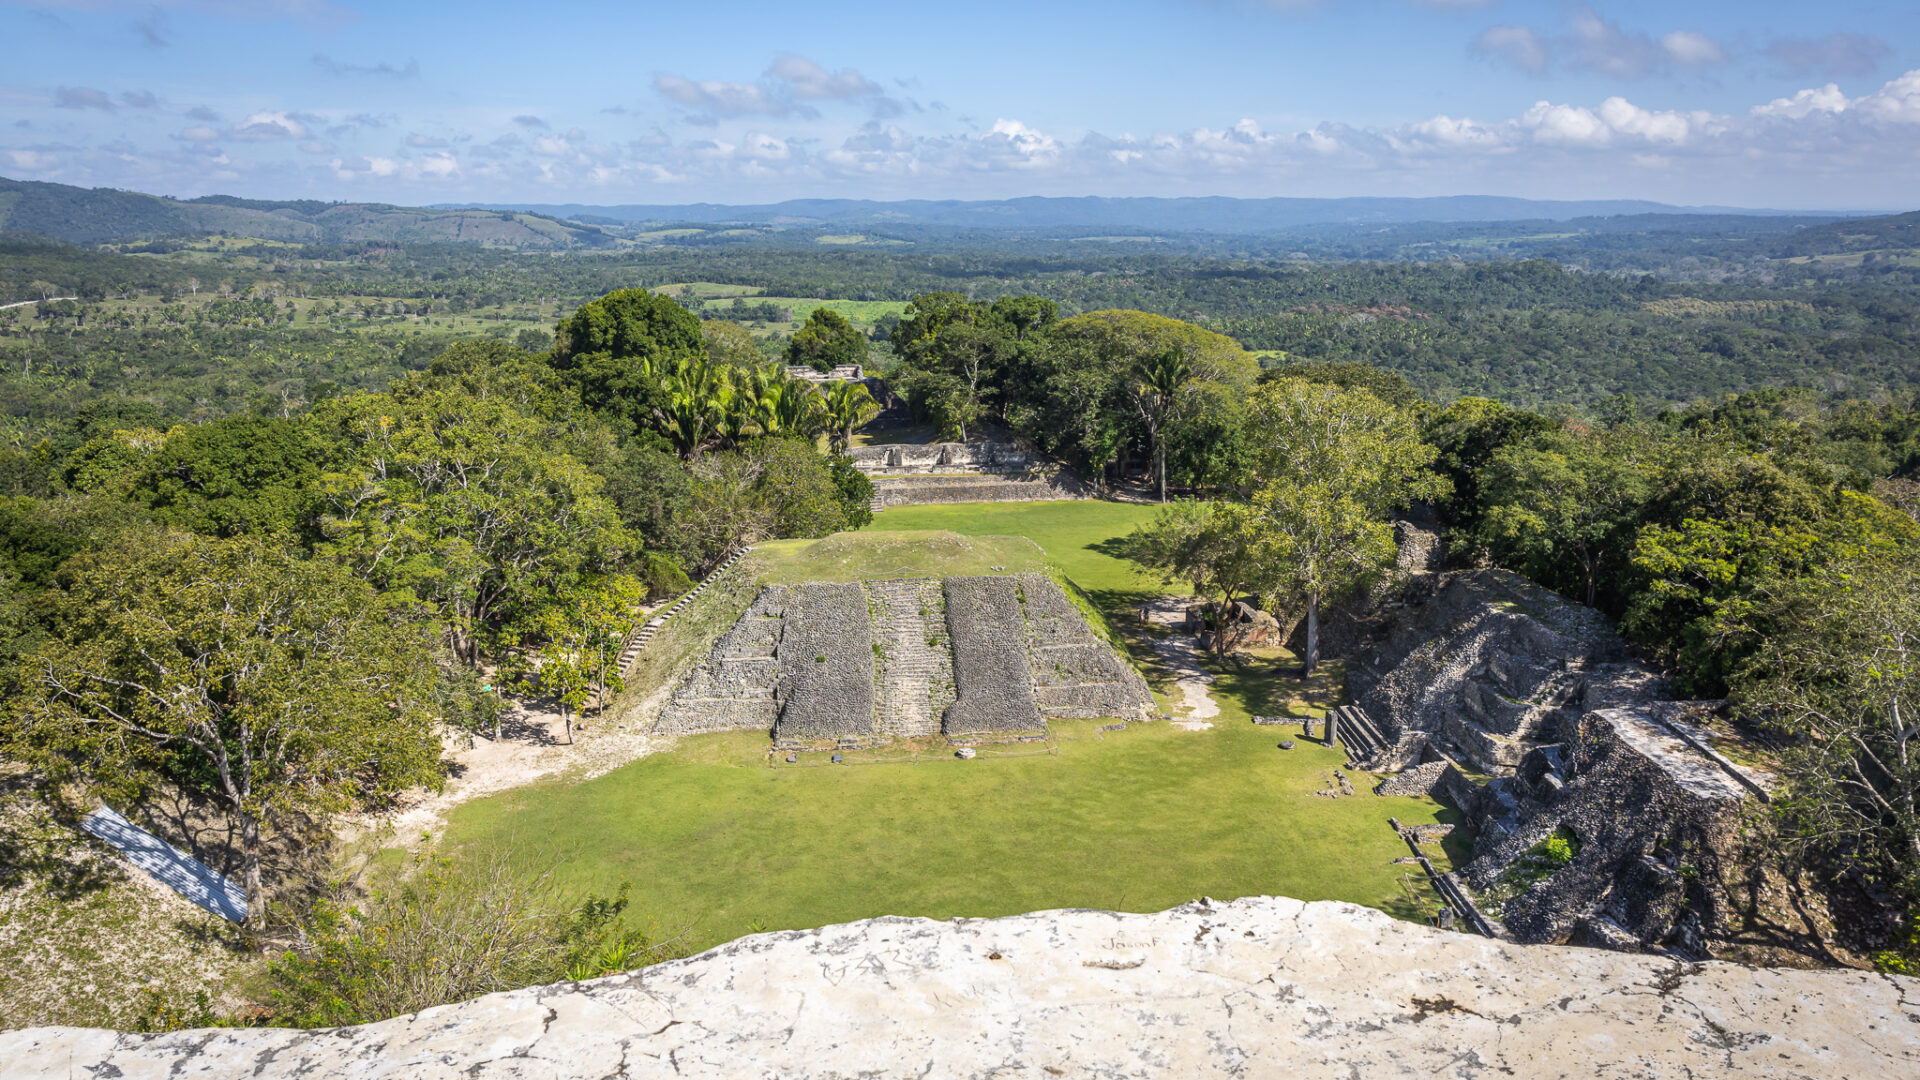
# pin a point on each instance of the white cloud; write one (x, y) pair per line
(1827, 99)
(1520, 46)
(719, 98)
(809, 81)
(1835, 54)
(1592, 43)
(199, 133)
(268, 126)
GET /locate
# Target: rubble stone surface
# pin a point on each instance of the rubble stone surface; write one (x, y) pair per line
(1256, 987)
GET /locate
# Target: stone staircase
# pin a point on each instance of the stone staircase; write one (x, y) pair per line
(637, 641)
(913, 666)
(1359, 734)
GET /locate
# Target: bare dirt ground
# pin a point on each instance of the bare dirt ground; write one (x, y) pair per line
(1181, 655)
(533, 746)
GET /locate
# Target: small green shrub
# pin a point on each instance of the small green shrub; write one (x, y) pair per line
(1558, 850)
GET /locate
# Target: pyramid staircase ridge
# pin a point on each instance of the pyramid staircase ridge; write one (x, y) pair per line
(637, 641)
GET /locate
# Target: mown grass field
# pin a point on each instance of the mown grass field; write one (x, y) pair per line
(717, 837)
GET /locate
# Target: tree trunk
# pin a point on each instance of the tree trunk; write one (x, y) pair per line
(250, 868)
(1312, 659)
(566, 716)
(1160, 456)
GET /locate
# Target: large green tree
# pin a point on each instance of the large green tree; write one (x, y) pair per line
(272, 683)
(467, 506)
(616, 348)
(827, 340)
(1330, 465)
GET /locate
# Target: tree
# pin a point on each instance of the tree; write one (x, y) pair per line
(1838, 674)
(466, 506)
(730, 343)
(849, 406)
(616, 348)
(827, 340)
(569, 643)
(1330, 464)
(1561, 509)
(275, 684)
(1155, 389)
(1204, 543)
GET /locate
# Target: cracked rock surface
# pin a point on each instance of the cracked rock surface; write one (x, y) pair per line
(1257, 987)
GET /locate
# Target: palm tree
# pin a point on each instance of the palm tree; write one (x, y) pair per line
(1157, 381)
(849, 405)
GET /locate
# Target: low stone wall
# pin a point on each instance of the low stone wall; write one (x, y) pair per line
(1258, 987)
(992, 679)
(906, 459)
(943, 490)
(826, 664)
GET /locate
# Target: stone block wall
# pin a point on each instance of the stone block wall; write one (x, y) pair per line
(826, 664)
(1491, 666)
(993, 680)
(905, 459)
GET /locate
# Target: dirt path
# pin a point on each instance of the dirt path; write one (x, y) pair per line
(532, 747)
(1182, 656)
(24, 303)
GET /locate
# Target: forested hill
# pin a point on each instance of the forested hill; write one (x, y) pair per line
(1212, 214)
(1894, 233)
(78, 215)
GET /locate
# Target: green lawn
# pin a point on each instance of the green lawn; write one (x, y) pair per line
(1075, 534)
(717, 838)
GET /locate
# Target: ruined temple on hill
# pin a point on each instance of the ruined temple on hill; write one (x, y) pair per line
(906, 657)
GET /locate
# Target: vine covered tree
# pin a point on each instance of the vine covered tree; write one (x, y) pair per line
(826, 341)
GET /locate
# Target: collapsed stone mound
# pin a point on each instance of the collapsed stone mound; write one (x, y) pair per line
(1487, 667)
(904, 658)
(1657, 819)
(1256, 987)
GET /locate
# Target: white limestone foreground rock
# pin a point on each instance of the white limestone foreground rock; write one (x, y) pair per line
(1261, 987)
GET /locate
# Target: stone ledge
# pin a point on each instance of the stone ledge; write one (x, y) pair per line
(1256, 987)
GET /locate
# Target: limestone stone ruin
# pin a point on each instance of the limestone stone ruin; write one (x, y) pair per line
(908, 474)
(1482, 672)
(906, 657)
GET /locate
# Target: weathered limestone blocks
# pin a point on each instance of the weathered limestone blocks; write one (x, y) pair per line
(1493, 666)
(733, 688)
(1075, 673)
(826, 664)
(913, 684)
(1256, 987)
(993, 682)
(1645, 806)
(904, 459)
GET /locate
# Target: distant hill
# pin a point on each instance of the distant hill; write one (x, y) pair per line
(1210, 214)
(103, 215)
(1896, 232)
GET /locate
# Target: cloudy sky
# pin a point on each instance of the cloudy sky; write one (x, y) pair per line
(1754, 103)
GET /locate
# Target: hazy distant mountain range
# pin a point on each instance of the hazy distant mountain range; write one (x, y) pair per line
(1209, 214)
(104, 215)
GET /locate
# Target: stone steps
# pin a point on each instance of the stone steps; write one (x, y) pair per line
(912, 678)
(638, 641)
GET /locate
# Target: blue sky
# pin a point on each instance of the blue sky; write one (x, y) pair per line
(1790, 105)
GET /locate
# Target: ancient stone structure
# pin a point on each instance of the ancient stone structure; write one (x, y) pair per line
(1657, 820)
(992, 677)
(1253, 988)
(904, 658)
(826, 664)
(914, 682)
(734, 686)
(913, 474)
(1488, 667)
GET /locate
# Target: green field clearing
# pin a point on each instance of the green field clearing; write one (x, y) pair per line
(860, 556)
(858, 312)
(717, 837)
(1075, 534)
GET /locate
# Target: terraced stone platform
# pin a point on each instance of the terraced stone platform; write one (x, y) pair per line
(906, 658)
